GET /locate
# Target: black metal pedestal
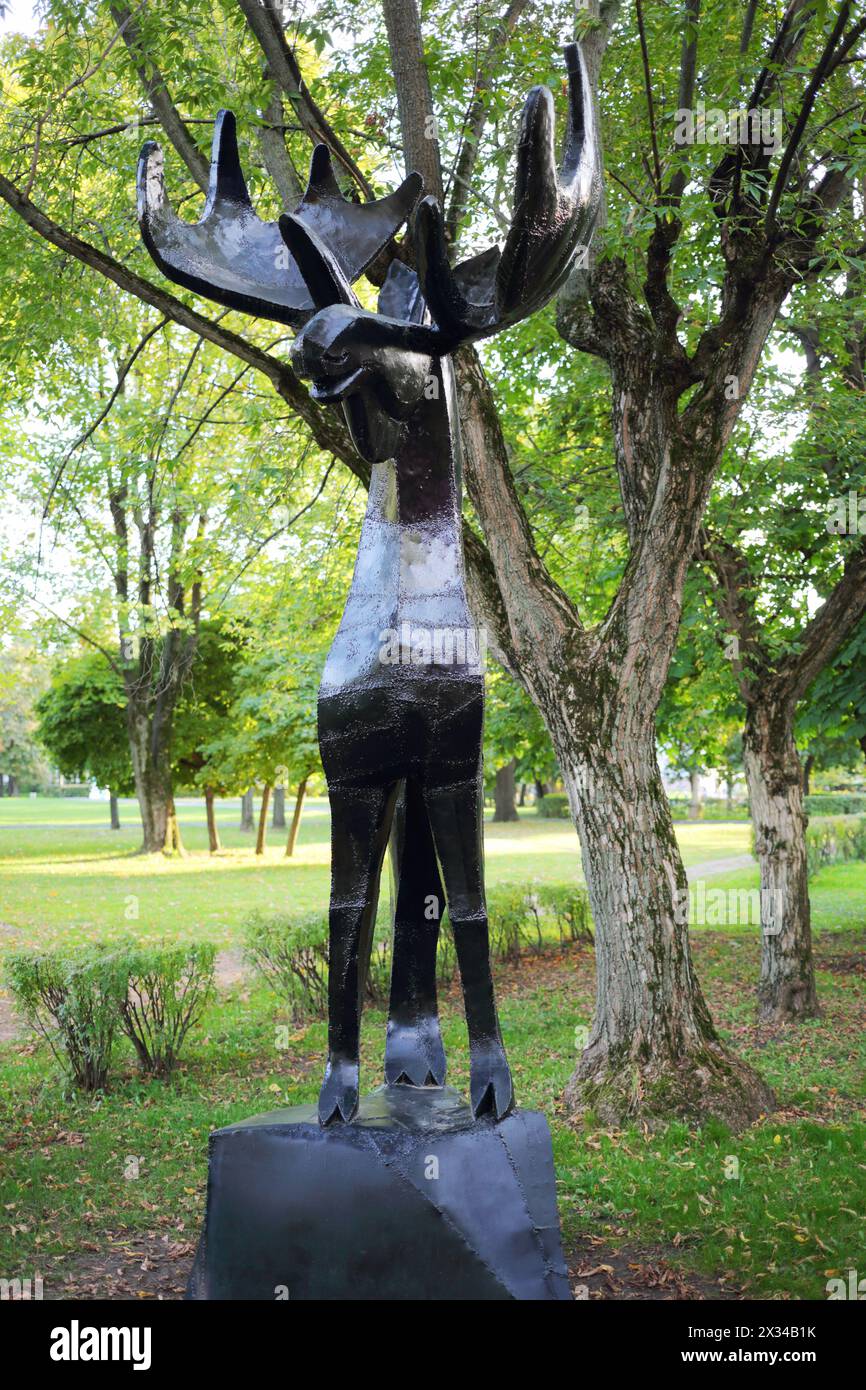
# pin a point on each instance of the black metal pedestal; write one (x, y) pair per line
(414, 1200)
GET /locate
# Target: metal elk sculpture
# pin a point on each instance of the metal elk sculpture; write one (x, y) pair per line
(396, 729)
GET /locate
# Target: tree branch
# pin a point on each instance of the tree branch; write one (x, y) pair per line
(539, 613)
(414, 100)
(831, 626)
(264, 23)
(275, 153)
(686, 92)
(157, 94)
(327, 430)
(476, 118)
(648, 88)
(809, 96)
(92, 428)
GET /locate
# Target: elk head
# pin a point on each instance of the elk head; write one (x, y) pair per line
(300, 269)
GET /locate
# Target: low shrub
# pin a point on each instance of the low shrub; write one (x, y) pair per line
(836, 804)
(446, 955)
(553, 806)
(167, 989)
(568, 904)
(519, 915)
(292, 957)
(834, 840)
(713, 808)
(507, 915)
(73, 1000)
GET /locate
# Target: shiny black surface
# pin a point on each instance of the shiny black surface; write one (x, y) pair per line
(417, 1200)
(553, 215)
(400, 738)
(234, 257)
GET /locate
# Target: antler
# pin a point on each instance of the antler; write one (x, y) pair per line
(552, 216)
(234, 257)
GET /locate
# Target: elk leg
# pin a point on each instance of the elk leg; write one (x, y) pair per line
(360, 825)
(413, 1050)
(456, 821)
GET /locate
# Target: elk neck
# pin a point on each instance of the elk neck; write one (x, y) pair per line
(409, 569)
(413, 519)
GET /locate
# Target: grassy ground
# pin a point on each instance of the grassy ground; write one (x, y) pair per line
(774, 1212)
(66, 877)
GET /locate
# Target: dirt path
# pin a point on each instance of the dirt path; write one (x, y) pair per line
(710, 867)
(598, 1272)
(133, 1267)
(11, 1026)
(231, 968)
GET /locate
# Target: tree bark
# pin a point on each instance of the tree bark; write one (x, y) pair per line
(653, 1051)
(157, 94)
(504, 793)
(173, 842)
(771, 689)
(213, 834)
(786, 989)
(296, 818)
(414, 99)
(152, 778)
(247, 816)
(808, 765)
(279, 817)
(696, 803)
(113, 810)
(262, 835)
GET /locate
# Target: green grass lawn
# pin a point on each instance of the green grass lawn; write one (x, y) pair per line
(773, 1212)
(65, 877)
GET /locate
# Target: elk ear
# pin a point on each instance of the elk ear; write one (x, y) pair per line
(320, 270)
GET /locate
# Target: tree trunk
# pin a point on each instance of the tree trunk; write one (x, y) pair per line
(278, 820)
(247, 816)
(150, 725)
(414, 100)
(152, 781)
(213, 834)
(504, 793)
(173, 843)
(653, 1051)
(113, 810)
(262, 835)
(807, 773)
(296, 818)
(696, 805)
(775, 777)
(729, 796)
(521, 795)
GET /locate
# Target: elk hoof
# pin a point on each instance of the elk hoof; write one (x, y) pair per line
(338, 1098)
(490, 1088)
(414, 1055)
